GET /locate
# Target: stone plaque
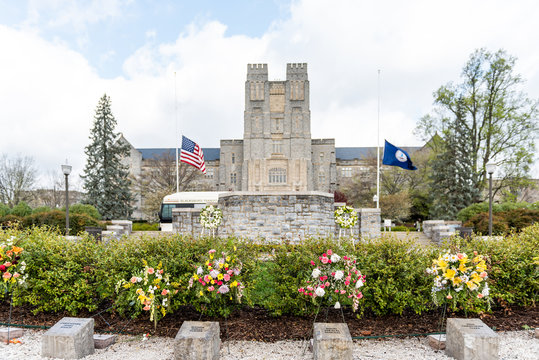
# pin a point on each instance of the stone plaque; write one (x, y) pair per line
(69, 338)
(103, 341)
(197, 340)
(468, 339)
(332, 342)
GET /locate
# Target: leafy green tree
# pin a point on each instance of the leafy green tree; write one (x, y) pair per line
(453, 184)
(501, 122)
(105, 176)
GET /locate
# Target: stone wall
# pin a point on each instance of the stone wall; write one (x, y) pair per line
(277, 216)
(369, 223)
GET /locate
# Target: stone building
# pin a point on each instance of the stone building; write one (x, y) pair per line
(277, 152)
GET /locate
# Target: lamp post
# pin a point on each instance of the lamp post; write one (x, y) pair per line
(66, 169)
(491, 168)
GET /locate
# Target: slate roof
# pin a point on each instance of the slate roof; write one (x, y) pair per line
(341, 153)
(209, 153)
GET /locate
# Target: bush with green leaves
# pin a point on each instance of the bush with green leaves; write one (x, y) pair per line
(142, 226)
(57, 219)
(468, 212)
(4, 210)
(75, 276)
(85, 209)
(504, 221)
(21, 209)
(41, 209)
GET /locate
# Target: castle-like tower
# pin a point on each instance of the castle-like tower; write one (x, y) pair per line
(277, 152)
(277, 131)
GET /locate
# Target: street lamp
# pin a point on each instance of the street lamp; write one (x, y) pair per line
(66, 169)
(491, 168)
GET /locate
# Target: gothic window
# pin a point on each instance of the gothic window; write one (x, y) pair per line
(277, 147)
(321, 178)
(321, 157)
(346, 172)
(209, 173)
(257, 90)
(277, 125)
(233, 178)
(297, 90)
(233, 158)
(277, 176)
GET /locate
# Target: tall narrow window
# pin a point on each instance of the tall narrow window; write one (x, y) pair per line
(233, 178)
(321, 178)
(277, 147)
(233, 158)
(277, 176)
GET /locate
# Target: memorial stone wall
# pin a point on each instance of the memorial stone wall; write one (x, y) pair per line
(275, 217)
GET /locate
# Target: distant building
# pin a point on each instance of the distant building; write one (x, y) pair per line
(277, 152)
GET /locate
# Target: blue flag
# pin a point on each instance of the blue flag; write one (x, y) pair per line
(394, 156)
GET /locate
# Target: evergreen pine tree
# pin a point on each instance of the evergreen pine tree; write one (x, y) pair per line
(105, 177)
(453, 177)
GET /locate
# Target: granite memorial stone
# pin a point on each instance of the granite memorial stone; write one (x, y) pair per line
(197, 340)
(332, 342)
(69, 338)
(471, 339)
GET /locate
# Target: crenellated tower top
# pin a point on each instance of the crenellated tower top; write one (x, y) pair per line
(257, 72)
(296, 71)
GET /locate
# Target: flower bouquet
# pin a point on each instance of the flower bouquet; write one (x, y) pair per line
(210, 218)
(149, 290)
(11, 266)
(459, 279)
(216, 283)
(346, 218)
(334, 279)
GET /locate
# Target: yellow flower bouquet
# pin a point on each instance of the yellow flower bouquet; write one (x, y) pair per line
(148, 290)
(458, 278)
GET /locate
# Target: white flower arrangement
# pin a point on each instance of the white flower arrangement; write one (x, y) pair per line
(346, 217)
(211, 217)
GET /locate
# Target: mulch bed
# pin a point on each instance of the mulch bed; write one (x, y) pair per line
(257, 324)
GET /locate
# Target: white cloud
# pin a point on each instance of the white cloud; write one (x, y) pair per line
(49, 94)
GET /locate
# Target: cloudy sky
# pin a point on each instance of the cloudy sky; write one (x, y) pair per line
(58, 57)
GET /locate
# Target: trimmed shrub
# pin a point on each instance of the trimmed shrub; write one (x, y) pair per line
(138, 226)
(85, 209)
(57, 219)
(468, 212)
(505, 221)
(75, 276)
(480, 223)
(41, 209)
(21, 209)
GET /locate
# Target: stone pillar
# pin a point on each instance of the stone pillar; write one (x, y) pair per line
(369, 223)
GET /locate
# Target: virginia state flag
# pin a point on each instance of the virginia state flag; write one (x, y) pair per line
(393, 156)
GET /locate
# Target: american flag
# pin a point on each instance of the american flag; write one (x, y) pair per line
(192, 154)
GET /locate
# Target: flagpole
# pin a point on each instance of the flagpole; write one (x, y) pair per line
(378, 150)
(178, 136)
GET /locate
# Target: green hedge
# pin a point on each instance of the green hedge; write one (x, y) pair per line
(505, 221)
(81, 275)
